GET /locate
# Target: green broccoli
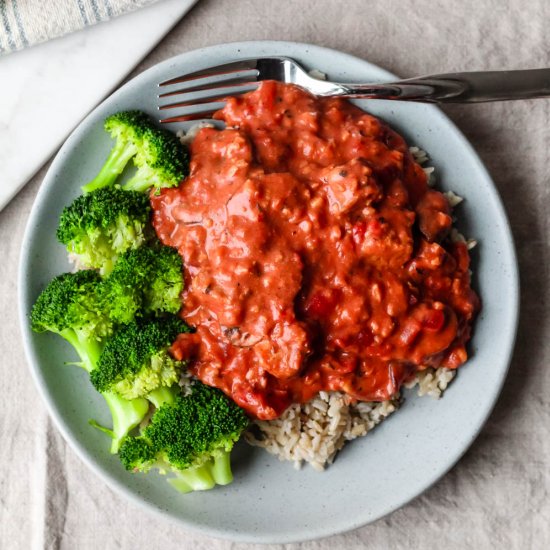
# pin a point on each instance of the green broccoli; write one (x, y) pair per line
(127, 128)
(161, 161)
(162, 293)
(70, 306)
(191, 437)
(135, 361)
(103, 224)
(147, 280)
(160, 158)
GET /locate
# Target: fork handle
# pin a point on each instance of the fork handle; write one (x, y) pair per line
(468, 87)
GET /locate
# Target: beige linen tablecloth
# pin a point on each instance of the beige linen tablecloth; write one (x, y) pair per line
(498, 494)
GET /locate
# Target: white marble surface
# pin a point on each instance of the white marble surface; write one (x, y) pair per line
(46, 90)
(498, 495)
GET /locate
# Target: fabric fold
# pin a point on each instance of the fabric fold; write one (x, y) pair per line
(51, 495)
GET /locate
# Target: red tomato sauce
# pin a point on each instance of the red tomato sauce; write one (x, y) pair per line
(316, 256)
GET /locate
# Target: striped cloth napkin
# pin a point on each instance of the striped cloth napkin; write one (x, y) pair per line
(24, 23)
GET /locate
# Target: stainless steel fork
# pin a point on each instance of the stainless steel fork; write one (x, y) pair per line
(211, 85)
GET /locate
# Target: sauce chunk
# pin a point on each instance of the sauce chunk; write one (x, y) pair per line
(316, 256)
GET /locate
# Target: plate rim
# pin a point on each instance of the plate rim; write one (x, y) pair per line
(111, 482)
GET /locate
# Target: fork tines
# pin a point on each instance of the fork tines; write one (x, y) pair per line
(207, 89)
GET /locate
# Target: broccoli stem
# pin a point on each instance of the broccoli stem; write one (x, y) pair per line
(126, 414)
(216, 471)
(117, 160)
(163, 395)
(88, 350)
(180, 485)
(137, 184)
(193, 479)
(220, 468)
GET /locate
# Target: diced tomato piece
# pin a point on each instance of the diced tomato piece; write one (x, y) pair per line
(434, 319)
(322, 304)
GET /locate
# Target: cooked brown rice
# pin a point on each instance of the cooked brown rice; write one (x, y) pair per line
(315, 431)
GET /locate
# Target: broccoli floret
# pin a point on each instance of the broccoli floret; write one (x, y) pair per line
(136, 361)
(147, 280)
(191, 437)
(127, 129)
(99, 226)
(161, 161)
(160, 158)
(70, 306)
(163, 290)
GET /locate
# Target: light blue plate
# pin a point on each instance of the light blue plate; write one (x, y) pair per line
(269, 501)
